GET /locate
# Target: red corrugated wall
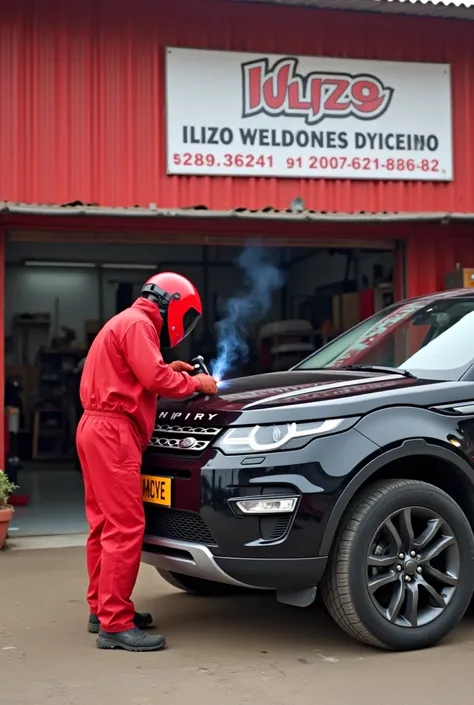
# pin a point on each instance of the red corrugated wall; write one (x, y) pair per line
(82, 88)
(430, 255)
(2, 348)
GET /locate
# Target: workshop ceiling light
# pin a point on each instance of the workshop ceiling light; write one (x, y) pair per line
(40, 263)
(89, 265)
(108, 265)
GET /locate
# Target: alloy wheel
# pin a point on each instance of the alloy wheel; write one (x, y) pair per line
(413, 567)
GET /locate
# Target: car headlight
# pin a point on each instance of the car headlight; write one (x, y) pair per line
(264, 439)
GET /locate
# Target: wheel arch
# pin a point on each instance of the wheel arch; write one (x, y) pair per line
(459, 483)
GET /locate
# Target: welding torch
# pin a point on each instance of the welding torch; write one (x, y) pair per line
(199, 366)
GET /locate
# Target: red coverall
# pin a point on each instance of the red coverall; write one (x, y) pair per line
(123, 374)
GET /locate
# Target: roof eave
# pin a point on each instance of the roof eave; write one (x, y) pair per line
(268, 213)
(441, 9)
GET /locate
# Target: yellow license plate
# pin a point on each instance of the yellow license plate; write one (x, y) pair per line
(156, 490)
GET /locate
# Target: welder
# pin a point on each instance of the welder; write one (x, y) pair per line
(124, 375)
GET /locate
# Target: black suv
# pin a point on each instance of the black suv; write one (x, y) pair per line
(352, 472)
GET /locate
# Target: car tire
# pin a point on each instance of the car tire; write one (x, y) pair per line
(352, 587)
(198, 586)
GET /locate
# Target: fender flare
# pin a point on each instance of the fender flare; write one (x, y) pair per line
(405, 450)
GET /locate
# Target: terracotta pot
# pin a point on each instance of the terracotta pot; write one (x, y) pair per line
(6, 513)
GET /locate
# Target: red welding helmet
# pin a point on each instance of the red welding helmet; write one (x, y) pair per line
(179, 303)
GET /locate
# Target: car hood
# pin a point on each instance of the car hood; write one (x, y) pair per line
(299, 395)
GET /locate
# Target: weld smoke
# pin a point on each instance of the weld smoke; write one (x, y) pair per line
(261, 279)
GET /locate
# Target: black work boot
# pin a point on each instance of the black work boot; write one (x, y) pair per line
(142, 620)
(132, 640)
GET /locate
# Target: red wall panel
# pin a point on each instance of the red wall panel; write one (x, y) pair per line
(429, 256)
(2, 349)
(82, 87)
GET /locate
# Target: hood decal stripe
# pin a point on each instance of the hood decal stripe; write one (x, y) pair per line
(321, 388)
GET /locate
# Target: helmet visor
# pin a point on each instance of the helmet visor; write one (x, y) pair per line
(190, 319)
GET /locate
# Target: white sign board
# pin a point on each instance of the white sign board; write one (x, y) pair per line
(232, 114)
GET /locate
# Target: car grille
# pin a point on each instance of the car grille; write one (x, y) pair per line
(182, 439)
(178, 525)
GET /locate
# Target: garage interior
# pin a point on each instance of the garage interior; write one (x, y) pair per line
(58, 294)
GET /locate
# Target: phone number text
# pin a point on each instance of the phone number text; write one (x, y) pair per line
(319, 163)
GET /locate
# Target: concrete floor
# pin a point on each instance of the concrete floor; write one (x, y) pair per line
(235, 651)
(56, 501)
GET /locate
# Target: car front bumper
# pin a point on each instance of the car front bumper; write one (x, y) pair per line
(202, 535)
(198, 561)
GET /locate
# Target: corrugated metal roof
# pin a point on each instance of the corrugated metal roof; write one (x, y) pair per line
(85, 88)
(80, 209)
(448, 9)
(456, 3)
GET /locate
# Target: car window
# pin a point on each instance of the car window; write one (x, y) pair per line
(428, 337)
(454, 345)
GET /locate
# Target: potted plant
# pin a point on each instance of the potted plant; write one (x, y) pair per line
(6, 511)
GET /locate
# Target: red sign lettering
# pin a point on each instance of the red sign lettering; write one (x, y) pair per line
(280, 90)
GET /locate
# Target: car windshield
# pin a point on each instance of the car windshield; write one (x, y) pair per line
(430, 337)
